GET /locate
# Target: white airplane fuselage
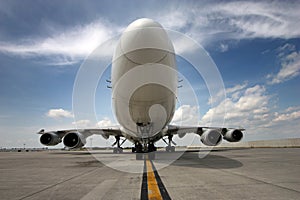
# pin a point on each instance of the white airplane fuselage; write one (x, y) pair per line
(144, 80)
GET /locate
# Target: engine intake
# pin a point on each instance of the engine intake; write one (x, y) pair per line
(74, 140)
(211, 137)
(233, 135)
(50, 139)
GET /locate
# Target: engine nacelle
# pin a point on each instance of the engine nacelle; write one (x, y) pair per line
(74, 140)
(233, 135)
(211, 137)
(50, 139)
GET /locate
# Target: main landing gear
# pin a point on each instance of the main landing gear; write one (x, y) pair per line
(170, 148)
(118, 149)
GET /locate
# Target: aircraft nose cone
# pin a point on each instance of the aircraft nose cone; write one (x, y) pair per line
(144, 41)
(143, 23)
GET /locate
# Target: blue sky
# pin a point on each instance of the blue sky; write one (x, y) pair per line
(254, 44)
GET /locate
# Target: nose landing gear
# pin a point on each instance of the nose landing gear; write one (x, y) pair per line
(145, 151)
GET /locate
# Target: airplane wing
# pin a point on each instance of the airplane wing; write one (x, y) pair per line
(76, 138)
(210, 136)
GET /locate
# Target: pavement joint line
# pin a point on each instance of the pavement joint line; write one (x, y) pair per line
(257, 180)
(56, 184)
(100, 190)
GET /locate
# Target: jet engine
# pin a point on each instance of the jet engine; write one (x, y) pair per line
(211, 137)
(50, 139)
(233, 135)
(74, 140)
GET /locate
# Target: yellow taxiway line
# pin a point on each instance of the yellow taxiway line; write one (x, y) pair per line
(153, 190)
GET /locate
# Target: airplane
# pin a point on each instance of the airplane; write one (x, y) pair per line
(144, 86)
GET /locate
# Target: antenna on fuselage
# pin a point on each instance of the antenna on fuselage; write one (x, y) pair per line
(179, 81)
(108, 81)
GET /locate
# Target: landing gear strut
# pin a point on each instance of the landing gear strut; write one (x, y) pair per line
(139, 151)
(170, 148)
(151, 151)
(146, 150)
(151, 147)
(118, 149)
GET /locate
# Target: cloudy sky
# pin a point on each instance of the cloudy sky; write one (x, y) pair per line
(255, 45)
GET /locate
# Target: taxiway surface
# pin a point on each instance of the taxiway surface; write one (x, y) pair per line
(257, 173)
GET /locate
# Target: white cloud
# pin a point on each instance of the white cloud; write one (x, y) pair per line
(287, 116)
(236, 88)
(205, 22)
(174, 20)
(234, 20)
(182, 44)
(252, 99)
(248, 107)
(84, 123)
(285, 48)
(224, 47)
(60, 61)
(285, 122)
(105, 122)
(290, 65)
(59, 113)
(253, 110)
(234, 92)
(186, 115)
(262, 19)
(65, 47)
(292, 108)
